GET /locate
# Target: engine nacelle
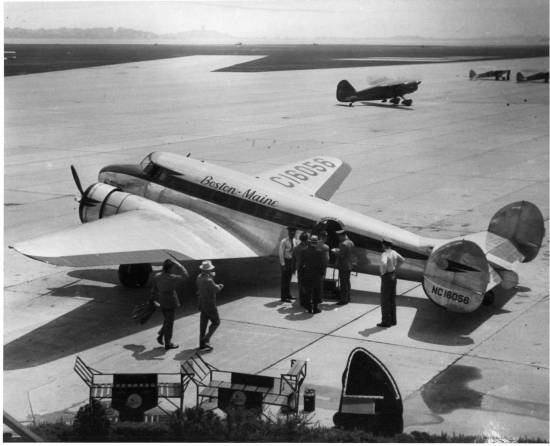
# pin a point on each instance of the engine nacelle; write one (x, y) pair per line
(102, 200)
(456, 276)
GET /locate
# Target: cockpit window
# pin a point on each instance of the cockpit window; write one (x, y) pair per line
(149, 168)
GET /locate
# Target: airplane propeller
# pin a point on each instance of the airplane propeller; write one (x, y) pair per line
(77, 180)
(84, 200)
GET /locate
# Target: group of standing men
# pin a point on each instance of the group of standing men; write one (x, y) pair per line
(310, 258)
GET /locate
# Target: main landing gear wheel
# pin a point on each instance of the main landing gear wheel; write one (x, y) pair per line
(489, 298)
(134, 276)
(395, 101)
(407, 102)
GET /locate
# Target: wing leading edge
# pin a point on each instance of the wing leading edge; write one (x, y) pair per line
(137, 237)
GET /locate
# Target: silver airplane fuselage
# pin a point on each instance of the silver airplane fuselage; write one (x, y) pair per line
(259, 209)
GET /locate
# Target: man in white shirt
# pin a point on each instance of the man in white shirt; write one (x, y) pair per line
(286, 260)
(390, 261)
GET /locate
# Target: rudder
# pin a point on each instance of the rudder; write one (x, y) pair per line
(519, 77)
(344, 91)
(522, 223)
(456, 276)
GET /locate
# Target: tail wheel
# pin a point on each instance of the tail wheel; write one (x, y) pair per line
(134, 276)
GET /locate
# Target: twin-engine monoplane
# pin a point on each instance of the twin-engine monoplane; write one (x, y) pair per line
(382, 91)
(498, 75)
(137, 215)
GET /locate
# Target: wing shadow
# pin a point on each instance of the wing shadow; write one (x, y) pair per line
(107, 314)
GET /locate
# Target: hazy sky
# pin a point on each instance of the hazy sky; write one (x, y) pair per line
(294, 19)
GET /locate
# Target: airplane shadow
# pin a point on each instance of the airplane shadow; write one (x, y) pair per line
(106, 316)
(435, 325)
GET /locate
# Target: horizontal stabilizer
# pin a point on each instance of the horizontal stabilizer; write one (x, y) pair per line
(136, 237)
(498, 250)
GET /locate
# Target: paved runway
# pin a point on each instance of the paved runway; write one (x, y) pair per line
(441, 168)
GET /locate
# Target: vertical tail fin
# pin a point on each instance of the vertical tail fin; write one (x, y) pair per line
(523, 224)
(344, 91)
(472, 74)
(519, 77)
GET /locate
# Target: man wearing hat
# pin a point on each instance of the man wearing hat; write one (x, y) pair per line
(390, 261)
(164, 293)
(314, 263)
(206, 291)
(287, 262)
(345, 262)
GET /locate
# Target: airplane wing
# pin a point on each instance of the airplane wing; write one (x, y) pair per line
(320, 176)
(137, 237)
(387, 82)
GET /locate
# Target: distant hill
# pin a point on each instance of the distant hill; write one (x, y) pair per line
(195, 36)
(77, 33)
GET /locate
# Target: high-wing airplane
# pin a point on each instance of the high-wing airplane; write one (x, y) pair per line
(524, 77)
(137, 215)
(499, 75)
(394, 91)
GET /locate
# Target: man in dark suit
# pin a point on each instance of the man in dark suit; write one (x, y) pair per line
(345, 263)
(163, 292)
(314, 264)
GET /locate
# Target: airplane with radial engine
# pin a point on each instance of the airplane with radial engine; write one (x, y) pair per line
(169, 204)
(499, 75)
(382, 91)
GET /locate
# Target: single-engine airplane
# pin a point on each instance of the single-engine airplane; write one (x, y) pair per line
(524, 77)
(394, 91)
(136, 215)
(499, 75)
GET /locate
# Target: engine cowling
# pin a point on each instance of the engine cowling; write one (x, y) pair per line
(456, 276)
(102, 200)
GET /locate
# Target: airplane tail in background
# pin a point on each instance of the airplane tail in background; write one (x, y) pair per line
(460, 272)
(344, 91)
(472, 74)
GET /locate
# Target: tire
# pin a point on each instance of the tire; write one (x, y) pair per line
(134, 275)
